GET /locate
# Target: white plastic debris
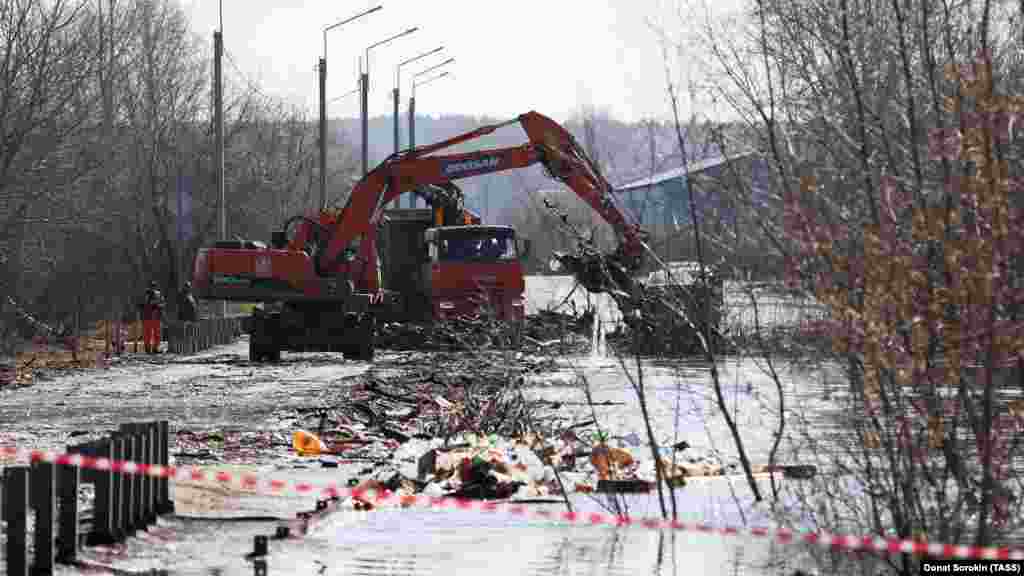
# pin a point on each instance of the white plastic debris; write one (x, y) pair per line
(548, 475)
(525, 456)
(434, 490)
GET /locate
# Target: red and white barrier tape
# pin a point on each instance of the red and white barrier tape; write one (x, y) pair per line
(333, 490)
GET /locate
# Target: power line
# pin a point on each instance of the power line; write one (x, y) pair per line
(245, 77)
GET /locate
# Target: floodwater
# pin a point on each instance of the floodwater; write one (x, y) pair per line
(561, 294)
(220, 389)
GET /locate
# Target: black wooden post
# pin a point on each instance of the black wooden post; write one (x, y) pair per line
(44, 501)
(132, 453)
(150, 458)
(120, 490)
(128, 484)
(104, 506)
(67, 538)
(138, 483)
(142, 447)
(164, 505)
(16, 498)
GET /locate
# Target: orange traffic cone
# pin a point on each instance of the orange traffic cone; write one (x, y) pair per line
(307, 443)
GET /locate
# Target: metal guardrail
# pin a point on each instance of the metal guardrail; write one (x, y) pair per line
(124, 503)
(192, 337)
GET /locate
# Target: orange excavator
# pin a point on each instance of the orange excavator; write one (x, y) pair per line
(325, 284)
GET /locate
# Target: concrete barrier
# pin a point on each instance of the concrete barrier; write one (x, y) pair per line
(193, 337)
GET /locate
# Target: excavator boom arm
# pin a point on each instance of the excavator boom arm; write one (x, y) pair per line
(549, 144)
(393, 179)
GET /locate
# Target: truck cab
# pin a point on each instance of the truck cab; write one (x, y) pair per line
(447, 271)
(475, 269)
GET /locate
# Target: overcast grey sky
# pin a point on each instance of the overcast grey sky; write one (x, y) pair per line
(511, 55)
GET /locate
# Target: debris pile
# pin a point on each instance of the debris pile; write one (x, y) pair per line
(463, 333)
(469, 434)
(669, 319)
(548, 324)
(538, 332)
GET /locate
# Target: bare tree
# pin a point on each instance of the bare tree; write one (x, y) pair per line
(104, 113)
(43, 68)
(844, 99)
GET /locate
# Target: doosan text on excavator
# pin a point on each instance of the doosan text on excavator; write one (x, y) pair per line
(325, 284)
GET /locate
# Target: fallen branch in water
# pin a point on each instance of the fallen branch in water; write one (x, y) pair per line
(557, 403)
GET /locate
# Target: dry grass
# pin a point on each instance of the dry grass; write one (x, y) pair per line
(55, 356)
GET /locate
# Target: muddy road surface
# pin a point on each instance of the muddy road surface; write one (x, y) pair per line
(218, 390)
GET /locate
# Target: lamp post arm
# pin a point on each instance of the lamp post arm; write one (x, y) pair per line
(346, 21)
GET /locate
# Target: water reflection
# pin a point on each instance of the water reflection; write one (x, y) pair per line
(399, 564)
(408, 543)
(549, 551)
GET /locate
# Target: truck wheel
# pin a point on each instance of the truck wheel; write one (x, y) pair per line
(262, 350)
(256, 337)
(361, 351)
(262, 346)
(254, 350)
(365, 347)
(516, 334)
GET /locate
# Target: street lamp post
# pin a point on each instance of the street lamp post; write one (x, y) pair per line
(218, 102)
(398, 84)
(323, 105)
(364, 83)
(412, 99)
(412, 116)
(397, 99)
(412, 109)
